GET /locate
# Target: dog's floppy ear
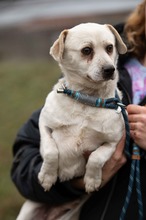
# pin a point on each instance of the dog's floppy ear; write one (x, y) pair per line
(57, 48)
(120, 44)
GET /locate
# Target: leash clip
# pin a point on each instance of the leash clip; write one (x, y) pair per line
(120, 106)
(118, 110)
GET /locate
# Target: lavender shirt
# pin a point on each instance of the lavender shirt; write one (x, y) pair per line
(138, 75)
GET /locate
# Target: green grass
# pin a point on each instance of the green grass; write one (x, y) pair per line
(23, 89)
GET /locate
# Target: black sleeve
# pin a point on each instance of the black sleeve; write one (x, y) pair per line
(26, 165)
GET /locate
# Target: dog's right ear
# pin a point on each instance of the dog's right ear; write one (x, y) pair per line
(57, 49)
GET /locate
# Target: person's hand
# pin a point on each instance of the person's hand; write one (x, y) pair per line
(110, 168)
(137, 122)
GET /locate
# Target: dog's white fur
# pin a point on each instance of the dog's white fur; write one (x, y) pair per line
(69, 128)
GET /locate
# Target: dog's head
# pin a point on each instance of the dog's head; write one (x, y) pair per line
(89, 51)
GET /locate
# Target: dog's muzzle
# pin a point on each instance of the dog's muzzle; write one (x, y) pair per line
(108, 72)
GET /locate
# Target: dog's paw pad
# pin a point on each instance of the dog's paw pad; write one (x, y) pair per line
(47, 180)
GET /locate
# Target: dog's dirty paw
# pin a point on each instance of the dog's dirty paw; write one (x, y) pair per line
(92, 184)
(47, 180)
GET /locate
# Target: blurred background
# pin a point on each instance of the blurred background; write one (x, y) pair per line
(27, 72)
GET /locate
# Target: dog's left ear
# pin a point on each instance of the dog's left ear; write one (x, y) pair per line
(120, 44)
(57, 48)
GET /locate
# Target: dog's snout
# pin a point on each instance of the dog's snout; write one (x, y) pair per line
(108, 72)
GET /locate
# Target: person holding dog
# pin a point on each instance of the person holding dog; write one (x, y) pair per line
(107, 202)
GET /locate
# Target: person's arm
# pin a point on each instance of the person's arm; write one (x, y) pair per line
(26, 166)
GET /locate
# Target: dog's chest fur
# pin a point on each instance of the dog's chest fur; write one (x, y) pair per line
(85, 126)
(77, 128)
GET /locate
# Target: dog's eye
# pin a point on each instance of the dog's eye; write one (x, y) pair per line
(87, 50)
(109, 48)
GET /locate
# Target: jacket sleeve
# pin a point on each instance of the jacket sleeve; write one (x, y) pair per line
(27, 163)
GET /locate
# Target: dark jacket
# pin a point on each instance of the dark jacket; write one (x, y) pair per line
(108, 201)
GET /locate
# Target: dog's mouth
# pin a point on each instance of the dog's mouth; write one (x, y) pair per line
(107, 73)
(89, 78)
(103, 78)
(106, 78)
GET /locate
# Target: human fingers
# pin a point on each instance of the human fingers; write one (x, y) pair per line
(138, 126)
(137, 123)
(136, 109)
(136, 115)
(134, 118)
(133, 126)
(138, 133)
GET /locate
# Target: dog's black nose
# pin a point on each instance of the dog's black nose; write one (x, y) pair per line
(108, 72)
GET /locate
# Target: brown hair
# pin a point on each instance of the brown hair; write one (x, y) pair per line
(135, 31)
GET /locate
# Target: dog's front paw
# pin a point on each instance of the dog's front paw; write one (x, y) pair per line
(91, 184)
(47, 179)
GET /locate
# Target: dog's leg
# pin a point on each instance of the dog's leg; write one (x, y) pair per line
(93, 175)
(49, 151)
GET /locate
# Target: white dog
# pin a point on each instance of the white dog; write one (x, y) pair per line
(87, 55)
